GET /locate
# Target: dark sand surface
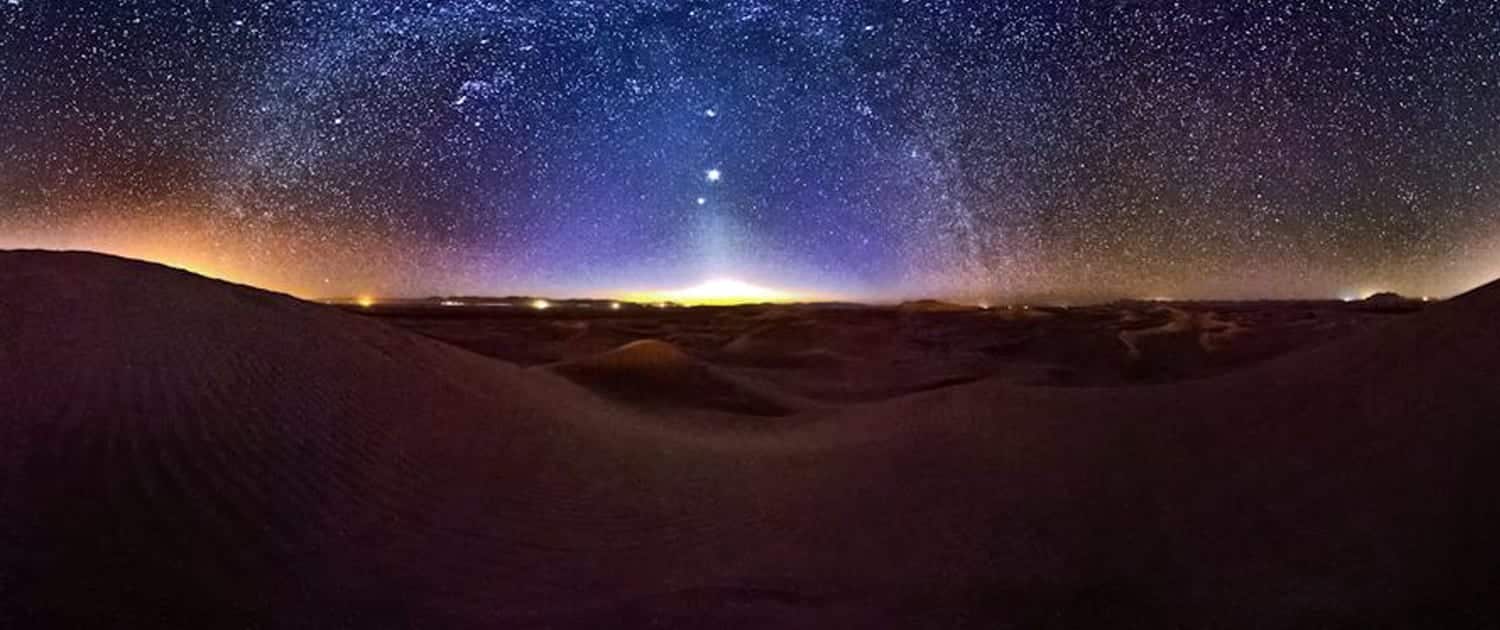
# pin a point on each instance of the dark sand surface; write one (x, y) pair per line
(177, 451)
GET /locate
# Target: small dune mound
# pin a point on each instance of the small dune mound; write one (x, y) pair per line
(933, 306)
(645, 354)
(779, 338)
(1387, 297)
(1388, 302)
(800, 343)
(655, 374)
(596, 338)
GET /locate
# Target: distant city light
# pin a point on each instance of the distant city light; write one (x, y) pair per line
(365, 301)
(614, 306)
(541, 305)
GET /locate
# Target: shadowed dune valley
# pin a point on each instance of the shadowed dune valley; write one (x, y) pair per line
(178, 451)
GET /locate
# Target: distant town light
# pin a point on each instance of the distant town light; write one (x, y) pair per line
(541, 305)
(365, 301)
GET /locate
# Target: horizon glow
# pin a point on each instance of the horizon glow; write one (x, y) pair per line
(717, 292)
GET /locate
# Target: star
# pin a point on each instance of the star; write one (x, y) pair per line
(927, 148)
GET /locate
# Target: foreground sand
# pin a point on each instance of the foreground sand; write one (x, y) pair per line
(181, 451)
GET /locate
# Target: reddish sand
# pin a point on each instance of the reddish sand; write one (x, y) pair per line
(179, 451)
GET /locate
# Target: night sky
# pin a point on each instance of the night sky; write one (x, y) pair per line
(867, 150)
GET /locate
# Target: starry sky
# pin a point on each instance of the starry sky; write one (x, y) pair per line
(965, 149)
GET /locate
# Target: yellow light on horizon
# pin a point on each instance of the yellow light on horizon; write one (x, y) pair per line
(541, 305)
(365, 301)
(716, 292)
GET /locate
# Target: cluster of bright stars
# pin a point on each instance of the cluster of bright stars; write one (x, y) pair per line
(712, 176)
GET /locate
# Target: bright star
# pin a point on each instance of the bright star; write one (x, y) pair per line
(710, 113)
(714, 175)
(702, 201)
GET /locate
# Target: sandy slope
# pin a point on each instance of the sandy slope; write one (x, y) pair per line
(178, 450)
(656, 375)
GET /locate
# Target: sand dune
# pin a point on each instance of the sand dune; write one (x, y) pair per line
(180, 451)
(655, 374)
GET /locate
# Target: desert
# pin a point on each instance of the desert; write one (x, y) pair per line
(749, 314)
(180, 450)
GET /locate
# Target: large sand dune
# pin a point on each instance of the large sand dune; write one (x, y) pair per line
(180, 451)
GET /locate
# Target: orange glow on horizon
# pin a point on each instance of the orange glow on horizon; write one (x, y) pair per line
(717, 292)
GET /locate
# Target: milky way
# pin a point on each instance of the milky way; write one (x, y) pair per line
(853, 149)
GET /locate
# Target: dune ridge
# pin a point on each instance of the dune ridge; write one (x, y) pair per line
(178, 450)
